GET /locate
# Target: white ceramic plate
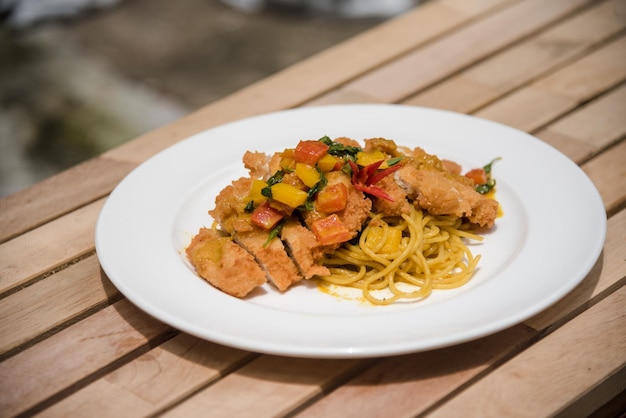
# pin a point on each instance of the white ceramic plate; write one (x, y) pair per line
(550, 236)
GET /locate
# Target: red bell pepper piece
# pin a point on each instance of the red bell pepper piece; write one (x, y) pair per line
(332, 198)
(478, 176)
(331, 230)
(310, 152)
(266, 217)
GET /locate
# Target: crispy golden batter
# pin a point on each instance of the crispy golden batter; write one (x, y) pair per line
(438, 194)
(271, 256)
(224, 264)
(304, 248)
(245, 256)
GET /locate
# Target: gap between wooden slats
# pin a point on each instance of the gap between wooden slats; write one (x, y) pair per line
(62, 193)
(503, 72)
(543, 101)
(167, 374)
(58, 195)
(322, 72)
(386, 389)
(86, 350)
(606, 275)
(466, 46)
(608, 173)
(596, 71)
(267, 387)
(556, 371)
(27, 316)
(285, 393)
(558, 46)
(48, 247)
(594, 126)
(32, 249)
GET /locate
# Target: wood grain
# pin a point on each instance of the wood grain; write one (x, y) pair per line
(590, 128)
(74, 354)
(443, 57)
(312, 77)
(570, 362)
(406, 386)
(543, 101)
(267, 387)
(47, 247)
(58, 195)
(534, 57)
(608, 273)
(608, 173)
(27, 314)
(150, 383)
(72, 346)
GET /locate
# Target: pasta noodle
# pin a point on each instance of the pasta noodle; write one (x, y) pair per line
(404, 257)
(388, 220)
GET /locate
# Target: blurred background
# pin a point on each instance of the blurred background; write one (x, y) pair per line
(78, 77)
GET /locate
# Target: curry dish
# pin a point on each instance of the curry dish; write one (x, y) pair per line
(377, 216)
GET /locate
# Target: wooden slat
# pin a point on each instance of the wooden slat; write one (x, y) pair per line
(60, 194)
(587, 130)
(608, 172)
(88, 347)
(322, 72)
(153, 381)
(487, 80)
(415, 384)
(532, 107)
(130, 365)
(107, 392)
(405, 386)
(442, 58)
(47, 247)
(267, 387)
(471, 8)
(572, 361)
(608, 273)
(27, 314)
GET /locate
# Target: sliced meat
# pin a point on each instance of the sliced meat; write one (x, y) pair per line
(399, 206)
(357, 208)
(387, 146)
(347, 141)
(271, 256)
(439, 195)
(452, 167)
(304, 248)
(229, 211)
(257, 164)
(224, 264)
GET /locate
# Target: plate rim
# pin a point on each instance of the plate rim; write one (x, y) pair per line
(368, 350)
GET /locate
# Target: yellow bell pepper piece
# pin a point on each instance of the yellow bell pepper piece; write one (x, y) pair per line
(288, 194)
(390, 245)
(309, 175)
(366, 158)
(287, 161)
(394, 239)
(255, 192)
(327, 163)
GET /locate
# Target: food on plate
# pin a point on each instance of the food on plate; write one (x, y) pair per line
(387, 219)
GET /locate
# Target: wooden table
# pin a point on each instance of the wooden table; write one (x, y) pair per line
(72, 345)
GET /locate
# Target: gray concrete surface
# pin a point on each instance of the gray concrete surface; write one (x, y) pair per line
(73, 87)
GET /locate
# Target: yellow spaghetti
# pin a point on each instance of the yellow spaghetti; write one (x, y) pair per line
(404, 257)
